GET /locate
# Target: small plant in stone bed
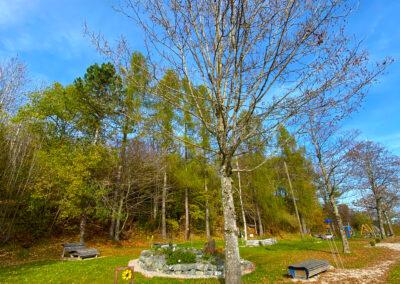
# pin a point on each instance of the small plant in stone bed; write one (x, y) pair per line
(207, 256)
(181, 256)
(372, 243)
(377, 240)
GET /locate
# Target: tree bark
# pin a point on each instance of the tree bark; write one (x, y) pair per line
(339, 222)
(233, 273)
(116, 211)
(260, 225)
(118, 220)
(304, 226)
(380, 219)
(111, 231)
(208, 234)
(389, 223)
(155, 203)
(187, 228)
(96, 136)
(82, 227)
(294, 200)
(241, 203)
(163, 201)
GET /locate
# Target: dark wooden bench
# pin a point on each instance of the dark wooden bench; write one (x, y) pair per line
(308, 268)
(79, 251)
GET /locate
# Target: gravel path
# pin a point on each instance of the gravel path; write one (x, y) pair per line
(373, 274)
(150, 274)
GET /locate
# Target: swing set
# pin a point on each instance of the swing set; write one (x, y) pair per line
(366, 231)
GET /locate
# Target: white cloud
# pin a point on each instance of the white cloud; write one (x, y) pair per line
(16, 11)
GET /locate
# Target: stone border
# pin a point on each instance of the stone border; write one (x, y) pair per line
(151, 274)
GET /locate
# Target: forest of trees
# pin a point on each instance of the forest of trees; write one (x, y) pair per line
(102, 151)
(228, 122)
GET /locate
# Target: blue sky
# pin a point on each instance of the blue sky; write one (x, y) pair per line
(48, 36)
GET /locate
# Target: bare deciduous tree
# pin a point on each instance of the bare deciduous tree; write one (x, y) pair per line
(330, 158)
(13, 79)
(263, 60)
(378, 173)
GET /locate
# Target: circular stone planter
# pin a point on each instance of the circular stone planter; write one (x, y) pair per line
(152, 263)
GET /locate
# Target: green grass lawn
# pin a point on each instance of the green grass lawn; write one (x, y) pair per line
(271, 261)
(394, 275)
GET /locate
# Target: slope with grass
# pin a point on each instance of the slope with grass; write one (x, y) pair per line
(271, 261)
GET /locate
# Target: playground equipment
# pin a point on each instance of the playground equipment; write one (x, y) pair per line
(332, 244)
(366, 231)
(251, 230)
(329, 227)
(376, 230)
(349, 231)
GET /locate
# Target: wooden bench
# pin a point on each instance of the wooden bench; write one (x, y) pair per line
(79, 251)
(308, 268)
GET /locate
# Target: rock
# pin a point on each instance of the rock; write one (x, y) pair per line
(185, 267)
(145, 253)
(148, 262)
(210, 247)
(191, 266)
(156, 261)
(265, 242)
(200, 266)
(219, 261)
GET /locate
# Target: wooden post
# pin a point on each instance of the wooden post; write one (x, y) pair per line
(294, 200)
(123, 268)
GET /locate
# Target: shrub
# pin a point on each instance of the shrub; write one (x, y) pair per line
(168, 251)
(372, 243)
(220, 250)
(377, 240)
(207, 256)
(181, 256)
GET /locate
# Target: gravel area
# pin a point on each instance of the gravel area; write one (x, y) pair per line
(372, 274)
(392, 246)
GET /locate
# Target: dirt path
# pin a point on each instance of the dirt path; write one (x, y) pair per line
(374, 273)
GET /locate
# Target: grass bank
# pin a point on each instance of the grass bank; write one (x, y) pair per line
(271, 261)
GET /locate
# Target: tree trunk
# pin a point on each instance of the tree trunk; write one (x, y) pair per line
(208, 234)
(96, 136)
(187, 228)
(255, 225)
(389, 223)
(118, 220)
(330, 194)
(111, 231)
(82, 227)
(260, 225)
(294, 200)
(241, 203)
(339, 222)
(304, 226)
(233, 274)
(164, 198)
(155, 203)
(380, 219)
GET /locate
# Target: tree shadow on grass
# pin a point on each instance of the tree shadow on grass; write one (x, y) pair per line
(298, 246)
